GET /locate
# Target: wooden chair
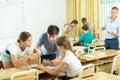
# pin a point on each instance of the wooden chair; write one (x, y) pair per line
(116, 65)
(25, 75)
(79, 52)
(87, 70)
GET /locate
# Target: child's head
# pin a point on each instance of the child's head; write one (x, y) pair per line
(52, 31)
(84, 21)
(63, 44)
(85, 28)
(73, 23)
(25, 38)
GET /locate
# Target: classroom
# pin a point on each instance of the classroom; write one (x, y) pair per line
(60, 40)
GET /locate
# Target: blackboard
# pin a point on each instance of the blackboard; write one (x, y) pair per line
(11, 19)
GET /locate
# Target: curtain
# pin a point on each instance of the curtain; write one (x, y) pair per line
(77, 9)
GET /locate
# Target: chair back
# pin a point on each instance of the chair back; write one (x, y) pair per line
(87, 70)
(25, 75)
(94, 41)
(115, 64)
(79, 52)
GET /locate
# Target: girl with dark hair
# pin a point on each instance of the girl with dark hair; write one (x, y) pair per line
(14, 53)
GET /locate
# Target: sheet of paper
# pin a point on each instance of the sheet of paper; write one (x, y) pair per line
(89, 56)
(34, 65)
(79, 47)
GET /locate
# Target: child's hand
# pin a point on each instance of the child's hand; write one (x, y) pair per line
(47, 62)
(28, 67)
(98, 31)
(40, 67)
(33, 56)
(37, 51)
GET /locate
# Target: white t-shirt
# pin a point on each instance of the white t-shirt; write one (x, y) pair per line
(14, 49)
(74, 64)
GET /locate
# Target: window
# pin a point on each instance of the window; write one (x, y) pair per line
(105, 7)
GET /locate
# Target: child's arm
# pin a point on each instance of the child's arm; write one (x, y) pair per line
(56, 71)
(54, 62)
(24, 61)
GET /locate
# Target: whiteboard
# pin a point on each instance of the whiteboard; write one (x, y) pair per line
(11, 19)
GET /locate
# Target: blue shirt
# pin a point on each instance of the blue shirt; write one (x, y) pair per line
(86, 38)
(47, 47)
(89, 26)
(112, 26)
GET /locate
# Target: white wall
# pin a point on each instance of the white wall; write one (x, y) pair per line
(39, 14)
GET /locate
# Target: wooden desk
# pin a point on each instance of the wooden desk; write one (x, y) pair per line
(79, 47)
(6, 73)
(101, 60)
(100, 55)
(97, 44)
(101, 76)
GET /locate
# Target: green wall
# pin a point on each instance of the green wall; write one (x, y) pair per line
(109, 1)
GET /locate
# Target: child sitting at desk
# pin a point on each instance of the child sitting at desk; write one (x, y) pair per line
(70, 62)
(86, 38)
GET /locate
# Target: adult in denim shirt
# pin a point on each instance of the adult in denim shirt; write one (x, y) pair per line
(48, 49)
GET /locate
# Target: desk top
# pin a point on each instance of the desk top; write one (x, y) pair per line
(99, 55)
(101, 76)
(6, 73)
(78, 47)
